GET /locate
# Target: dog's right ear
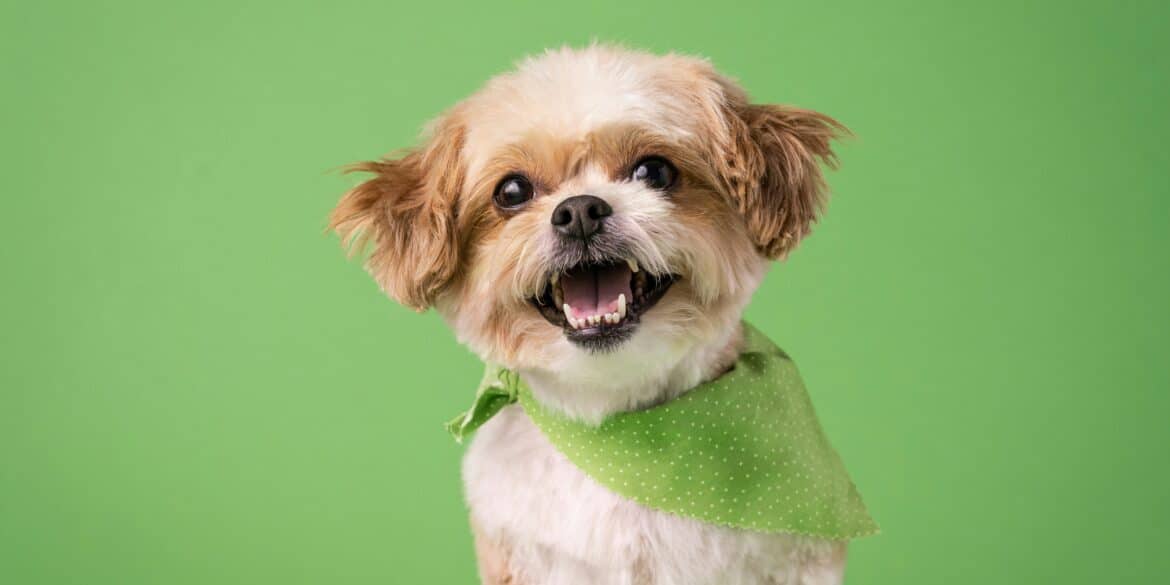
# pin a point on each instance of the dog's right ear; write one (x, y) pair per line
(405, 214)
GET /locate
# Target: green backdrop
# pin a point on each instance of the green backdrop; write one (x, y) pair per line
(197, 388)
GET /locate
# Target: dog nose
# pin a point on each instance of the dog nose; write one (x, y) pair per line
(580, 216)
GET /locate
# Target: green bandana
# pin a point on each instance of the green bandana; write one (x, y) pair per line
(744, 450)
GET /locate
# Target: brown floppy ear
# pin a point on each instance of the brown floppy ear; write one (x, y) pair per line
(781, 189)
(407, 212)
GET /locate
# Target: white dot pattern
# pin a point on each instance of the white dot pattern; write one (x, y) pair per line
(744, 450)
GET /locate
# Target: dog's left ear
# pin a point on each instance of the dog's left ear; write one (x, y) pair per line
(775, 170)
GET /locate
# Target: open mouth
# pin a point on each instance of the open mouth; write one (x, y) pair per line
(600, 305)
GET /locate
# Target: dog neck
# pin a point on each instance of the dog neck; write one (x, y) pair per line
(633, 378)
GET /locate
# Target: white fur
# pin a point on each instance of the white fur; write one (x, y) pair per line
(570, 92)
(556, 525)
(660, 361)
(561, 528)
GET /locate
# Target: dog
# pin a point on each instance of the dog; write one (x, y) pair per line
(596, 221)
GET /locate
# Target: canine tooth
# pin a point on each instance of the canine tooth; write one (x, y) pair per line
(633, 264)
(568, 312)
(621, 306)
(554, 282)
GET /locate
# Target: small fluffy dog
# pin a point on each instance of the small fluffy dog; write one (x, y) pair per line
(596, 221)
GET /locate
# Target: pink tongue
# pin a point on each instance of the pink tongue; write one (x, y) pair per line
(595, 291)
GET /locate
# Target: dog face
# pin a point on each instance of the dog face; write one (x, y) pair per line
(596, 207)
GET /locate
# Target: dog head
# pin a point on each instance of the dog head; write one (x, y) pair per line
(595, 207)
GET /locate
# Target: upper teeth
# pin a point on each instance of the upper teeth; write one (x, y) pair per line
(633, 264)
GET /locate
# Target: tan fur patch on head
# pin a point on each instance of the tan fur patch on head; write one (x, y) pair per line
(693, 231)
(576, 122)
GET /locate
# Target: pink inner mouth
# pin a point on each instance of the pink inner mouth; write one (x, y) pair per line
(593, 291)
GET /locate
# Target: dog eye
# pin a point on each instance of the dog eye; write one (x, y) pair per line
(655, 172)
(513, 192)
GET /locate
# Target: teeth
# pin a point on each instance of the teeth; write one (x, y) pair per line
(633, 264)
(594, 320)
(558, 297)
(610, 318)
(574, 323)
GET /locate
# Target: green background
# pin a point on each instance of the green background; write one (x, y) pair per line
(198, 388)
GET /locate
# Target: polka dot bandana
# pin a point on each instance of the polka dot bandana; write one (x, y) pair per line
(744, 450)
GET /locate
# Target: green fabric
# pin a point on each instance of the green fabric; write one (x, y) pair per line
(744, 450)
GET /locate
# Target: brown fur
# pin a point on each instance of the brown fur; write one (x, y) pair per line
(408, 210)
(774, 171)
(422, 213)
(492, 292)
